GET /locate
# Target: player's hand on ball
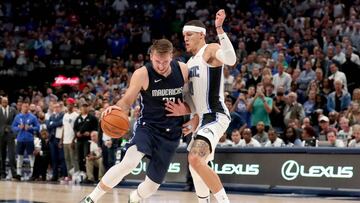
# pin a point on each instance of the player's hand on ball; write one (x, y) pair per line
(220, 17)
(109, 109)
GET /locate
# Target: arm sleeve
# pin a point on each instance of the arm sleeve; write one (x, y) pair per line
(226, 53)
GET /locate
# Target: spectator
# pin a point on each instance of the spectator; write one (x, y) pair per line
(291, 138)
(339, 56)
(247, 140)
(310, 104)
(55, 129)
(277, 114)
(240, 117)
(84, 124)
(333, 120)
(338, 75)
(7, 138)
(346, 132)
(94, 159)
(68, 137)
(339, 100)
(293, 109)
(235, 138)
(274, 140)
(309, 137)
(304, 79)
(42, 156)
(224, 142)
(260, 108)
(261, 136)
(356, 132)
(332, 139)
(353, 113)
(282, 79)
(25, 125)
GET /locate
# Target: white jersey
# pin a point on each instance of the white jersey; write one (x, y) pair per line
(206, 85)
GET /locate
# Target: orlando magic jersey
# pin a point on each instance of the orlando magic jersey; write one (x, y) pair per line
(160, 90)
(206, 85)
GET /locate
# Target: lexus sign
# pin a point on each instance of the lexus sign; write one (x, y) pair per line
(290, 170)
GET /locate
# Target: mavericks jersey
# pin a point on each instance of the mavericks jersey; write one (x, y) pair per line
(206, 85)
(161, 89)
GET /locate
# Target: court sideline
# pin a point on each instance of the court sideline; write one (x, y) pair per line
(26, 192)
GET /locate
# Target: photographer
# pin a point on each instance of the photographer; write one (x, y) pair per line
(260, 108)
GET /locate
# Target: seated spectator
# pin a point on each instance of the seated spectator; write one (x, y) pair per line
(309, 137)
(356, 132)
(261, 136)
(353, 113)
(282, 79)
(324, 124)
(339, 100)
(274, 140)
(337, 75)
(293, 109)
(333, 120)
(310, 104)
(94, 159)
(224, 142)
(291, 138)
(247, 140)
(332, 139)
(306, 123)
(304, 79)
(346, 132)
(239, 113)
(235, 137)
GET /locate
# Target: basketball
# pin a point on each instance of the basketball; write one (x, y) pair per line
(115, 124)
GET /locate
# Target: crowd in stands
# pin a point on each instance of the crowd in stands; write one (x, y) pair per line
(294, 84)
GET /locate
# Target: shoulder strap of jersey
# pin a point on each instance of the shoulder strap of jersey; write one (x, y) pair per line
(175, 66)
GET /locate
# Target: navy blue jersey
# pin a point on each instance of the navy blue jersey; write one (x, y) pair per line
(160, 90)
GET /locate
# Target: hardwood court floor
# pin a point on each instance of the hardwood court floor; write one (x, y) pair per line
(52, 193)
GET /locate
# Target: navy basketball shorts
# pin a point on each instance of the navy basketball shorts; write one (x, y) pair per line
(21, 147)
(159, 146)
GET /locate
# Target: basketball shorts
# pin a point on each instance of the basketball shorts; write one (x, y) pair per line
(211, 129)
(159, 146)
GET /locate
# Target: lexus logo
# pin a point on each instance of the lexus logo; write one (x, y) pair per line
(290, 170)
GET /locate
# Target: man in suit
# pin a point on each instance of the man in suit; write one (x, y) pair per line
(55, 129)
(7, 137)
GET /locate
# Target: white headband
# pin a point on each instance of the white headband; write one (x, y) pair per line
(193, 28)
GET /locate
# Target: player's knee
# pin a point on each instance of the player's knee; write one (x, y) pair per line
(129, 163)
(195, 160)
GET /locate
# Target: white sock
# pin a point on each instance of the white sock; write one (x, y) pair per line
(97, 193)
(19, 164)
(204, 199)
(32, 162)
(221, 196)
(116, 173)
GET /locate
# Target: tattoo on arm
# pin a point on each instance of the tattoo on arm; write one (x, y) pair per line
(200, 148)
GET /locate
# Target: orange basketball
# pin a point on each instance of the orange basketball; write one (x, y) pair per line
(115, 124)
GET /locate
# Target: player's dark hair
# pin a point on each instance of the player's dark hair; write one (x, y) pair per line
(197, 23)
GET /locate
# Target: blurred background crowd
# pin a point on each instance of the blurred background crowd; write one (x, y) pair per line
(294, 84)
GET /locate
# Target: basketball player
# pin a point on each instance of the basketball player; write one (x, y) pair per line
(206, 87)
(156, 136)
